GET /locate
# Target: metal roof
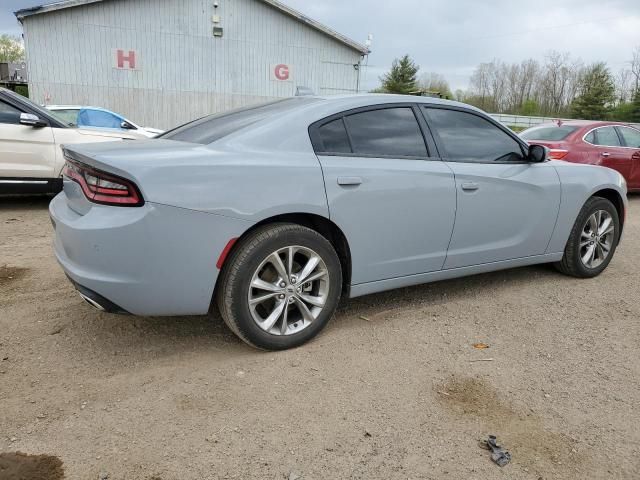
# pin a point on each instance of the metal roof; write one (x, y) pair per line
(52, 7)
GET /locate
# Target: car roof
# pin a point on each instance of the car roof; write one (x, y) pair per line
(584, 123)
(79, 107)
(390, 98)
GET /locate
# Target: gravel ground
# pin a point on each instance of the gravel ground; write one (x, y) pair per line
(393, 389)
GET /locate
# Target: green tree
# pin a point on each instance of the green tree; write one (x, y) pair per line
(402, 78)
(11, 49)
(529, 108)
(632, 109)
(596, 93)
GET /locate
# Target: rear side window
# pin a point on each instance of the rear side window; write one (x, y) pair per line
(214, 127)
(470, 138)
(591, 137)
(607, 137)
(631, 136)
(389, 132)
(551, 133)
(334, 137)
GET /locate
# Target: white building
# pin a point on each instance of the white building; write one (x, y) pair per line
(164, 62)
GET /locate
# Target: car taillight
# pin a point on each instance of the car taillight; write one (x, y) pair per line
(103, 188)
(557, 154)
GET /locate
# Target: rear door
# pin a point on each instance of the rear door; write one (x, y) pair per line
(631, 139)
(25, 152)
(507, 207)
(608, 150)
(392, 199)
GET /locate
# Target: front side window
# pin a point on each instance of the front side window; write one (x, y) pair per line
(631, 137)
(388, 132)
(98, 118)
(9, 114)
(470, 138)
(607, 137)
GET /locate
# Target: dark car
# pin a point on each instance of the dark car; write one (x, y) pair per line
(609, 144)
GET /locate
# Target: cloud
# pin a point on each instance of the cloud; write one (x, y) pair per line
(452, 37)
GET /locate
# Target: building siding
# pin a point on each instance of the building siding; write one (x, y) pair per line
(184, 71)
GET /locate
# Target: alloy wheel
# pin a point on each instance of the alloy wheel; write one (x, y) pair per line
(288, 290)
(596, 239)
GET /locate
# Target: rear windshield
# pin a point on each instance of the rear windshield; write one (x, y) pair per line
(214, 127)
(549, 133)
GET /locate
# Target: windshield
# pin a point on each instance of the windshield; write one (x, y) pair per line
(549, 133)
(69, 117)
(214, 127)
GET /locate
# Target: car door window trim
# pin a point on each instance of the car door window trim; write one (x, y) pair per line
(440, 144)
(318, 144)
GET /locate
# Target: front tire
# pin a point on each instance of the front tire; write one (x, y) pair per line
(280, 286)
(593, 240)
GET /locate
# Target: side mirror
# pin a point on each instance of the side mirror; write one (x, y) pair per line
(538, 153)
(31, 120)
(127, 126)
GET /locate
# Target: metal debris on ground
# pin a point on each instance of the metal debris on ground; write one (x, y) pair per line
(498, 454)
(480, 346)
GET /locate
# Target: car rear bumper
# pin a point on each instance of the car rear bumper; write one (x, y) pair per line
(154, 260)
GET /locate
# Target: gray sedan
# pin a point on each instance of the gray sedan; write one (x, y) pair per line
(275, 212)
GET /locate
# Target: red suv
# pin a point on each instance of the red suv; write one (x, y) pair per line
(613, 145)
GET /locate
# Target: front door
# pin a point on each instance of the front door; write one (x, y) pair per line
(393, 201)
(25, 152)
(507, 207)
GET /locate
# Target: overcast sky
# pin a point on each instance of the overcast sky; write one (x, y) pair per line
(452, 36)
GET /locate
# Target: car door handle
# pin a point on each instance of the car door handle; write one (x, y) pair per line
(636, 156)
(346, 181)
(605, 154)
(470, 186)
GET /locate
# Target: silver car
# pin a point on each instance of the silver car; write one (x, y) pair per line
(276, 212)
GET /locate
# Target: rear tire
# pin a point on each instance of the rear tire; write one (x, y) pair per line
(593, 240)
(267, 310)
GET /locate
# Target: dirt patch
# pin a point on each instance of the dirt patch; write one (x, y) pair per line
(9, 275)
(183, 398)
(20, 466)
(520, 430)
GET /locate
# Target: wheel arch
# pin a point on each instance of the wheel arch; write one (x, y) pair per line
(614, 197)
(318, 223)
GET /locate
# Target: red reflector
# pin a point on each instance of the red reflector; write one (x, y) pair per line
(225, 253)
(101, 187)
(557, 154)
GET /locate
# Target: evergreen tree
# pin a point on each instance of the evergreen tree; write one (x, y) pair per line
(597, 92)
(402, 78)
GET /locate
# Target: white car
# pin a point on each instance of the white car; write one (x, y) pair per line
(96, 117)
(31, 159)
